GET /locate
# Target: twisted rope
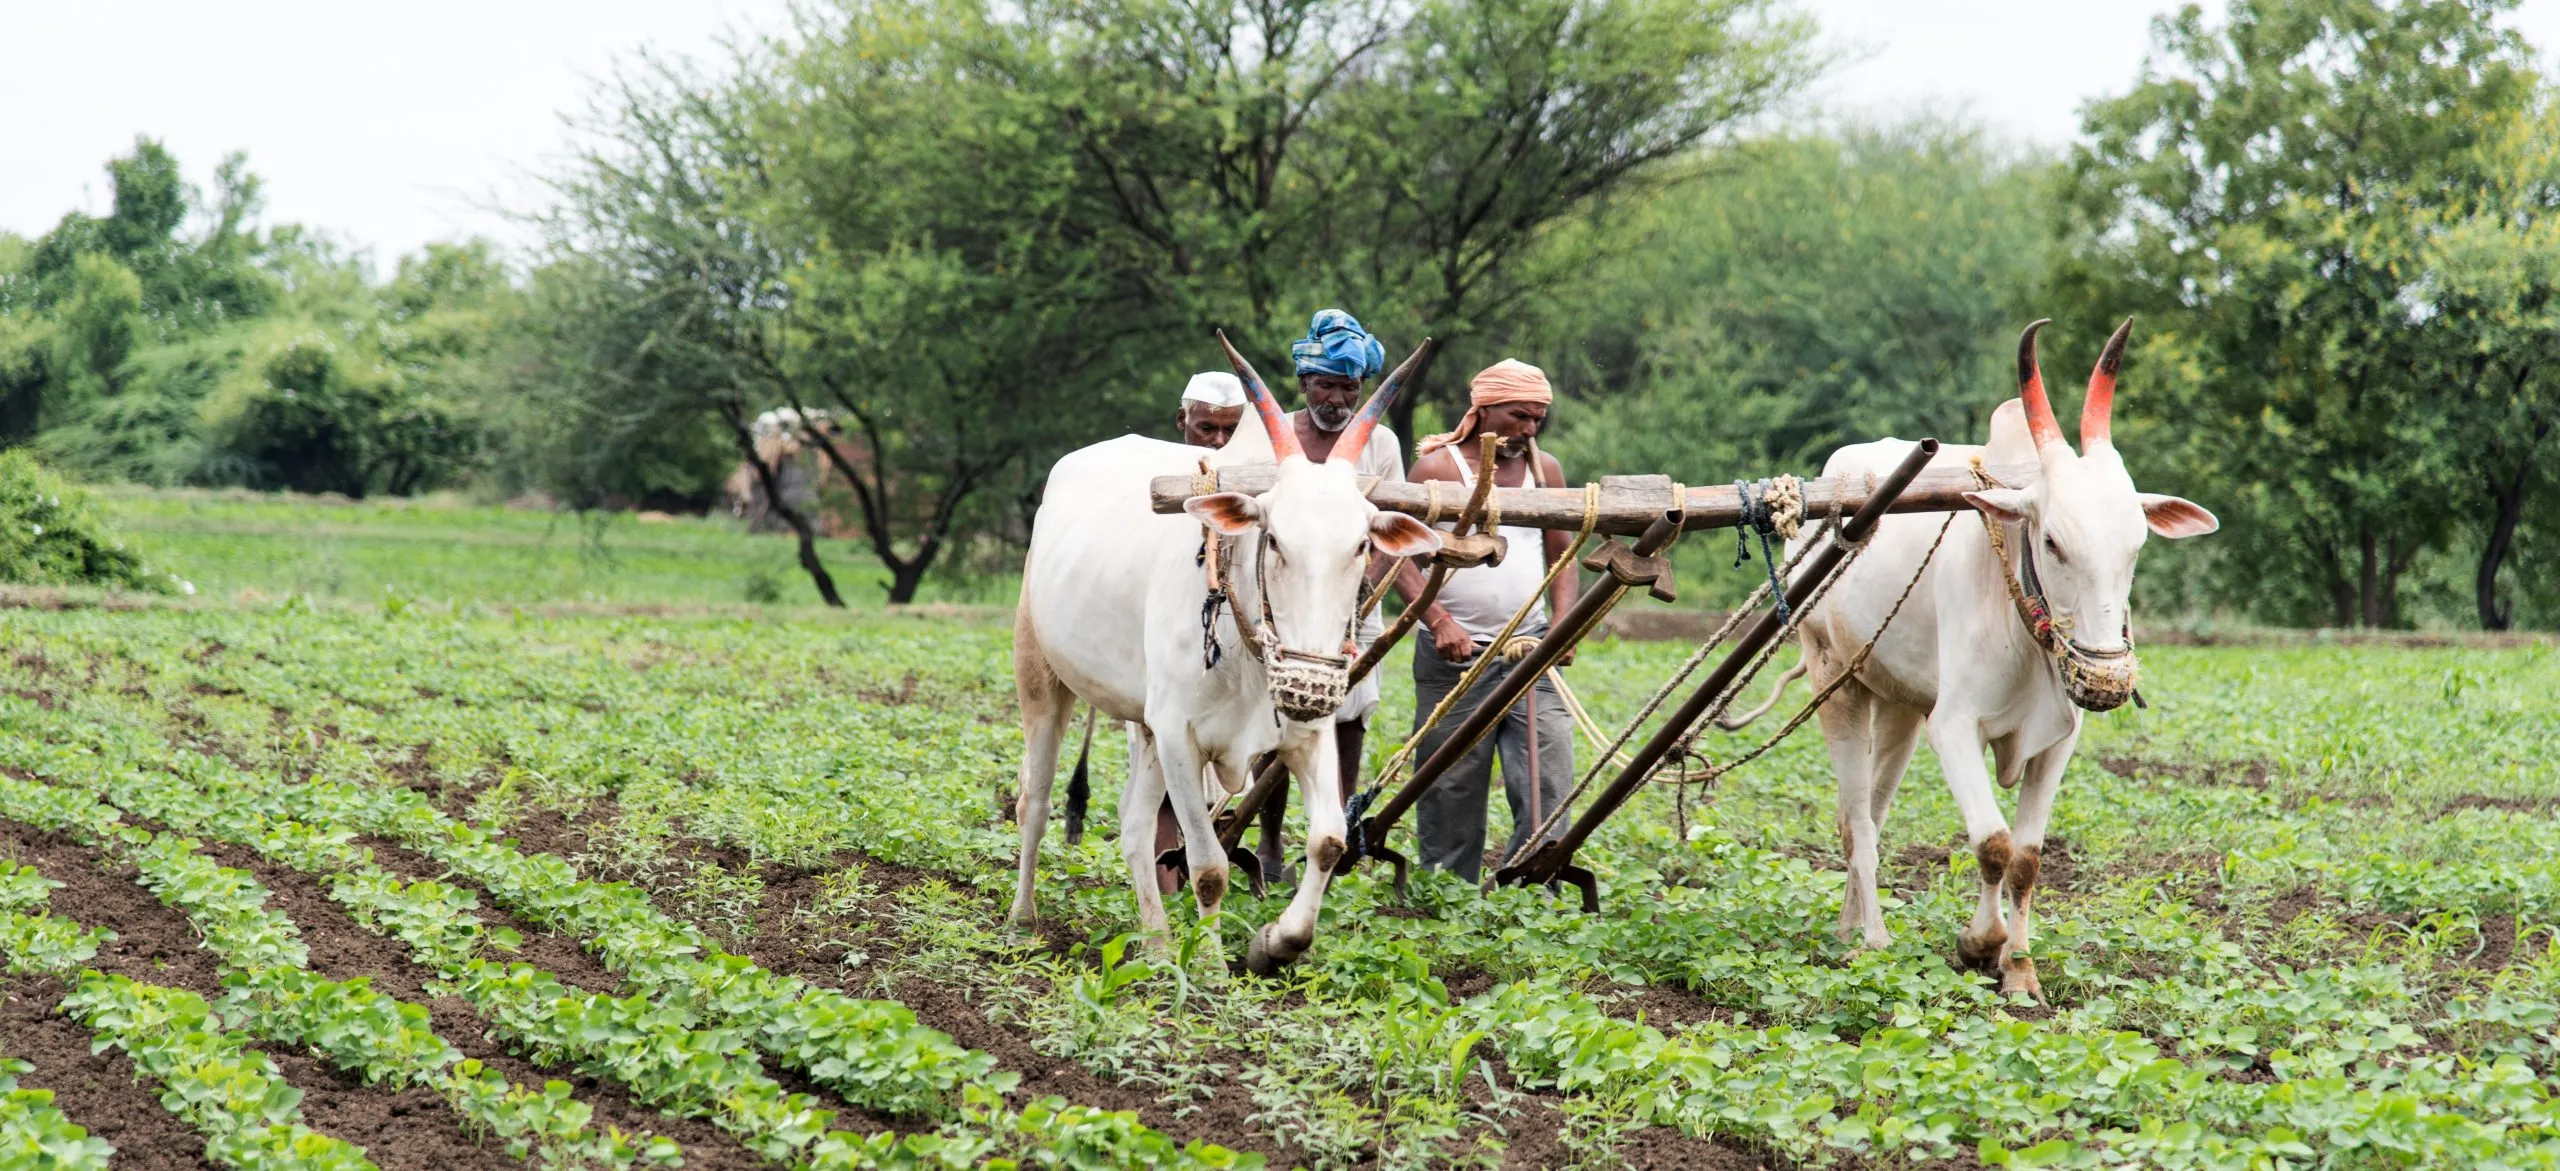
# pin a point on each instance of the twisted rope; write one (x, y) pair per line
(1403, 757)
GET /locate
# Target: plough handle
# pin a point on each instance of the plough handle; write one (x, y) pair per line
(1267, 781)
(1555, 858)
(1507, 690)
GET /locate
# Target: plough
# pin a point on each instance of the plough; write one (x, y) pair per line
(1654, 511)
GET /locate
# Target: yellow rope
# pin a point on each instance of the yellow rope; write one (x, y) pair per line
(1404, 754)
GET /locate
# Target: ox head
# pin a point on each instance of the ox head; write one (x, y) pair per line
(2084, 522)
(1318, 527)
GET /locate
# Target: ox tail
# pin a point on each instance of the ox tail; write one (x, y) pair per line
(1733, 723)
(1079, 784)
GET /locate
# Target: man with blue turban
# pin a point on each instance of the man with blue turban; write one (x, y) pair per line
(1334, 360)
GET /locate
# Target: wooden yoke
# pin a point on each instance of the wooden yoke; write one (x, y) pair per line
(1552, 860)
(1630, 504)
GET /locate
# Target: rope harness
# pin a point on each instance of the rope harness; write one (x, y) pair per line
(1305, 686)
(2096, 681)
(1773, 506)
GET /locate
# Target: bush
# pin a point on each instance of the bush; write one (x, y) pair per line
(51, 534)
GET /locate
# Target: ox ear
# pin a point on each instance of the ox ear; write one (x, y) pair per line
(2173, 517)
(1231, 513)
(1398, 535)
(2003, 504)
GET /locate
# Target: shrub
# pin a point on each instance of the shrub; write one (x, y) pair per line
(51, 534)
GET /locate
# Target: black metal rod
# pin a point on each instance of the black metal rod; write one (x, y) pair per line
(1551, 858)
(1561, 637)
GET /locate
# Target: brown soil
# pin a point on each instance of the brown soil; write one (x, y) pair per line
(552, 953)
(341, 950)
(2532, 805)
(94, 1090)
(400, 1130)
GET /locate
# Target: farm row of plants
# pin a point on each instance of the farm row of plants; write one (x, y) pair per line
(682, 1042)
(2190, 1024)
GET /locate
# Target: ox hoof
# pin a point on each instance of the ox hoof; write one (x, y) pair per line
(2018, 978)
(1263, 956)
(1982, 953)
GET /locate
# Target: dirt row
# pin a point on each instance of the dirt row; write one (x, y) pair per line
(1223, 1117)
(401, 1129)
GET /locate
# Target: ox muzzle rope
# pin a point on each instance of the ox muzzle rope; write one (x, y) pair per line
(1306, 686)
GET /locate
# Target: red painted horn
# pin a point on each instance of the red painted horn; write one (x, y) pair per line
(1355, 438)
(2040, 422)
(1284, 441)
(2097, 410)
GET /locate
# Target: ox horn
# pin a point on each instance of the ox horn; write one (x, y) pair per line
(1284, 441)
(1355, 438)
(2098, 409)
(2040, 422)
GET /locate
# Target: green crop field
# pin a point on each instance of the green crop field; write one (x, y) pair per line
(725, 884)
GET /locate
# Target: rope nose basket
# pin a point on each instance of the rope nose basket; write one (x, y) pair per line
(1305, 687)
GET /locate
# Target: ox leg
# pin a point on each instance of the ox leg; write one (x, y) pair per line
(1310, 755)
(1958, 741)
(1848, 728)
(2042, 781)
(1138, 805)
(1046, 707)
(1896, 733)
(1177, 757)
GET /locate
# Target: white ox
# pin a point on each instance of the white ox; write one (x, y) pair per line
(1111, 612)
(1961, 661)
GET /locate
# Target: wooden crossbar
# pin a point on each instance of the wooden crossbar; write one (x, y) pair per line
(1627, 503)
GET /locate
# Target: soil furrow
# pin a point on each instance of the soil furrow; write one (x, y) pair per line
(561, 956)
(100, 1091)
(400, 1130)
(342, 950)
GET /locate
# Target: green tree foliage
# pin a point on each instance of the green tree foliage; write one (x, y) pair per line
(1738, 327)
(2265, 199)
(924, 217)
(50, 534)
(2492, 293)
(131, 348)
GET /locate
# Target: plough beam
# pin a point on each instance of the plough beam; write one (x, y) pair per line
(1623, 574)
(1554, 859)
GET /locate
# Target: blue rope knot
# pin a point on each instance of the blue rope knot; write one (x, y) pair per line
(1757, 518)
(1357, 814)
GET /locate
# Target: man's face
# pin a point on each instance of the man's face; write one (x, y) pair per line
(1331, 399)
(1203, 425)
(1516, 424)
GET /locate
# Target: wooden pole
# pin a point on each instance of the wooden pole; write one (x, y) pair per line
(1554, 859)
(1628, 504)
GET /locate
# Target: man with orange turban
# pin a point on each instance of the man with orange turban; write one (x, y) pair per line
(1508, 400)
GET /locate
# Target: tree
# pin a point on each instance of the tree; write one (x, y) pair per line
(1494, 122)
(677, 289)
(1742, 328)
(1258, 162)
(2493, 296)
(2262, 200)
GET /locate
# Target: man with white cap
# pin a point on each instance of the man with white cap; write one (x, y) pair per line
(1212, 408)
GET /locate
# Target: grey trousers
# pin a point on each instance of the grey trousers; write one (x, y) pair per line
(1450, 818)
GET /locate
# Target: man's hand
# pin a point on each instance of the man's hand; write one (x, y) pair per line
(1452, 641)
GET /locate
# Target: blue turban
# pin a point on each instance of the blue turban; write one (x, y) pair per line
(1336, 344)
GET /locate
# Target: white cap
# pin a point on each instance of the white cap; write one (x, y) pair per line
(1217, 388)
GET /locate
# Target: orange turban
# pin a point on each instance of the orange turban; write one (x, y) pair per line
(1506, 381)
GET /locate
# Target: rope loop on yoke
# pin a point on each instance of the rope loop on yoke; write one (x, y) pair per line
(1772, 506)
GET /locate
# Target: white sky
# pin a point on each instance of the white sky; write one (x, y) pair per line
(391, 124)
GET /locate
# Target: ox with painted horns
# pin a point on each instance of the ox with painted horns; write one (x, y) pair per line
(2019, 624)
(1219, 635)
